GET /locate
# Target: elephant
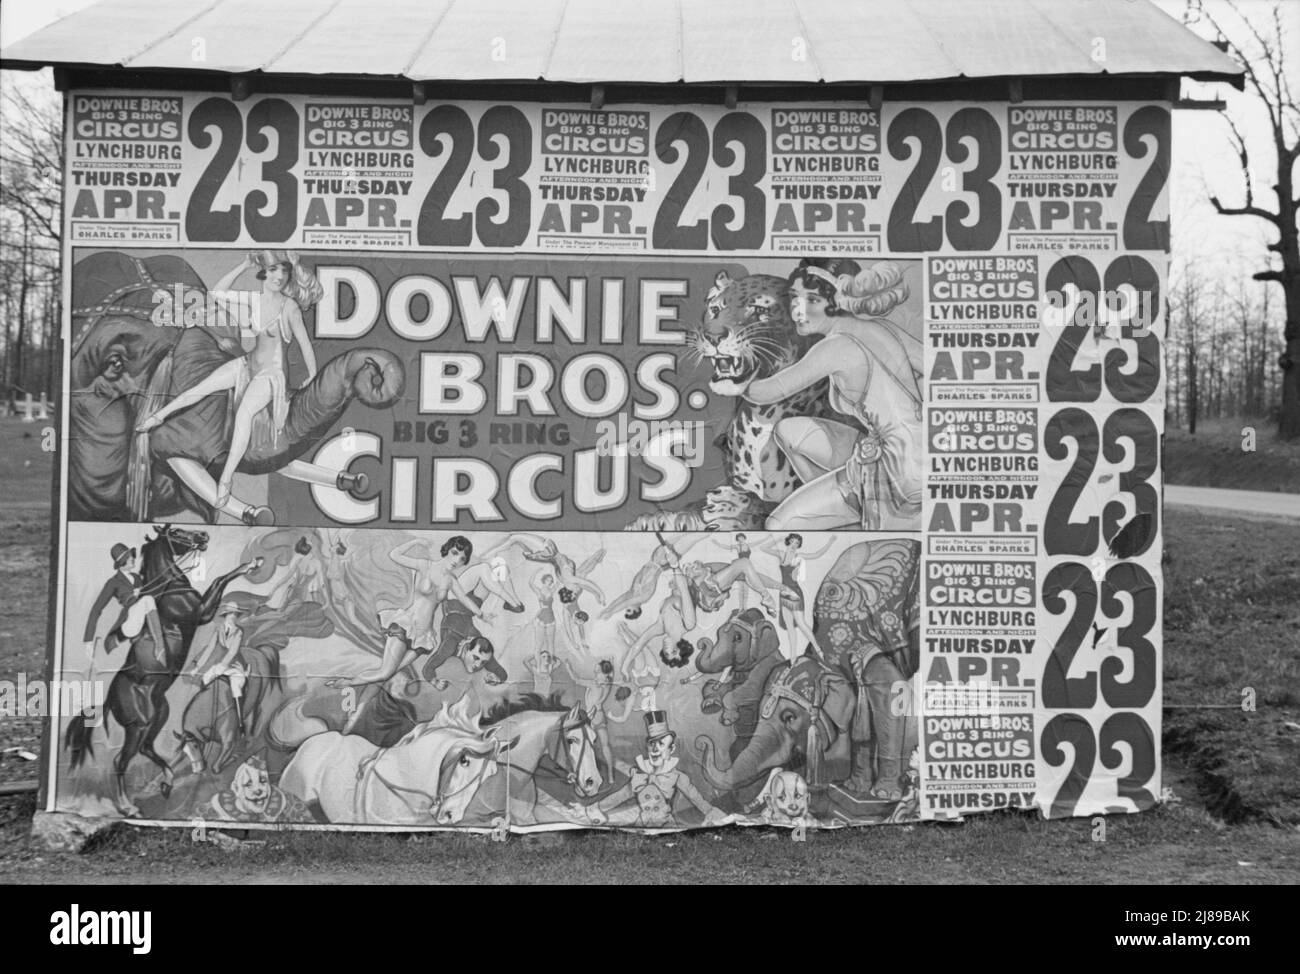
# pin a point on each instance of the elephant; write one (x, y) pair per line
(838, 716)
(125, 364)
(805, 722)
(749, 646)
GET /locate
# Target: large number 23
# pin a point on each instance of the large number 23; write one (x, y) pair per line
(966, 125)
(1063, 536)
(1064, 692)
(433, 229)
(202, 221)
(1121, 728)
(737, 129)
(1081, 297)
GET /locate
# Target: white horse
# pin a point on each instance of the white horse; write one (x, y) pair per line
(553, 742)
(426, 778)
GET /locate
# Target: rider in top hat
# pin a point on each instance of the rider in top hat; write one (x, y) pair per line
(137, 610)
(654, 784)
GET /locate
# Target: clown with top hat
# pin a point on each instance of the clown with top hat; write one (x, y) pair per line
(654, 784)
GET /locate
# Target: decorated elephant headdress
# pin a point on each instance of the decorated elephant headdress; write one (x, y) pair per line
(868, 601)
(806, 684)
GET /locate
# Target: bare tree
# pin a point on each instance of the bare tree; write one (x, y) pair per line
(1187, 317)
(31, 145)
(1243, 311)
(1261, 51)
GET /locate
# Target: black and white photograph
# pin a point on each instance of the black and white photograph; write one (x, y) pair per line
(595, 442)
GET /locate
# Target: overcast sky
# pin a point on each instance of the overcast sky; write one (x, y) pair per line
(1202, 157)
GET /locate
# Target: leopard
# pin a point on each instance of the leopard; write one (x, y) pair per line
(671, 521)
(747, 333)
(728, 509)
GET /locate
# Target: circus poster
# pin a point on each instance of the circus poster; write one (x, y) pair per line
(506, 467)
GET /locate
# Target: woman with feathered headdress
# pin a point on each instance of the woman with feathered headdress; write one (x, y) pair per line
(866, 473)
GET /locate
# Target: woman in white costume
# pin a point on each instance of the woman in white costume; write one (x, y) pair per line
(256, 380)
(864, 473)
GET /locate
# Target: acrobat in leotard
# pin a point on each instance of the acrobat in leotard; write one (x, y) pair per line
(793, 605)
(409, 631)
(665, 639)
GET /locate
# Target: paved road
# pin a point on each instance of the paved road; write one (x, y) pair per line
(1249, 502)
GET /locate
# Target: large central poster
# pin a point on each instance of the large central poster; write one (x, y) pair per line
(493, 466)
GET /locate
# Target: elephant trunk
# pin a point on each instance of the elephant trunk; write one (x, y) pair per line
(376, 377)
(704, 661)
(767, 749)
(372, 376)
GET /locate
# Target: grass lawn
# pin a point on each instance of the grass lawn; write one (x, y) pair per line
(27, 468)
(1178, 843)
(24, 577)
(1232, 631)
(1214, 458)
(1232, 621)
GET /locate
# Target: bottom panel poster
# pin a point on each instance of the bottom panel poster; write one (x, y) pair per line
(374, 678)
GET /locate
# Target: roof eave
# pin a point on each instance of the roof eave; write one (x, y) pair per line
(1236, 79)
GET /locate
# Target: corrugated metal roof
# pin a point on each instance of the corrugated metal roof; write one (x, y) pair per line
(631, 41)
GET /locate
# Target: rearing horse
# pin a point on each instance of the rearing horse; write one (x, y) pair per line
(137, 696)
